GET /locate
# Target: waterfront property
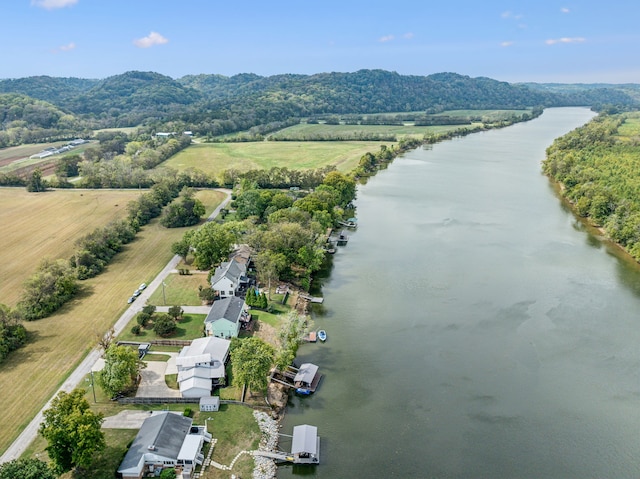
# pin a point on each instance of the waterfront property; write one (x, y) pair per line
(229, 278)
(201, 366)
(226, 317)
(165, 440)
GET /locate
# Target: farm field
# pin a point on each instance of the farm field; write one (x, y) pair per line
(302, 131)
(214, 158)
(16, 159)
(39, 225)
(30, 376)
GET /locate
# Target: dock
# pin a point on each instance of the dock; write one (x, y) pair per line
(305, 379)
(305, 447)
(312, 299)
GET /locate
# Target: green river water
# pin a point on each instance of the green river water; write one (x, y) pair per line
(476, 328)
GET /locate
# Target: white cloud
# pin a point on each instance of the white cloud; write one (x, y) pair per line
(506, 44)
(408, 35)
(565, 10)
(553, 41)
(154, 38)
(67, 47)
(52, 4)
(510, 15)
(386, 38)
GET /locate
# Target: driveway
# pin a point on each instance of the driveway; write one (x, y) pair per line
(129, 419)
(152, 384)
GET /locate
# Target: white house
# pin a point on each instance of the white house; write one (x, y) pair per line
(228, 278)
(165, 440)
(201, 366)
(225, 317)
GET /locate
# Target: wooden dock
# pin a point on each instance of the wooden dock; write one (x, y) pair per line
(312, 299)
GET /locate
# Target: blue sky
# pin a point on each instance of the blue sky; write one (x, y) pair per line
(543, 41)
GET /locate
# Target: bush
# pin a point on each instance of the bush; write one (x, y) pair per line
(164, 325)
(136, 329)
(169, 473)
(143, 318)
(187, 412)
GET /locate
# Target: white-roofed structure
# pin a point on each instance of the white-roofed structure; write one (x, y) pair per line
(201, 366)
(305, 442)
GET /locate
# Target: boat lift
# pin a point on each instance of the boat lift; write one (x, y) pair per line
(305, 447)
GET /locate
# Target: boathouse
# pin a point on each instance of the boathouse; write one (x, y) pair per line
(305, 446)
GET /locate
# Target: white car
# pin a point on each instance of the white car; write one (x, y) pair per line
(142, 286)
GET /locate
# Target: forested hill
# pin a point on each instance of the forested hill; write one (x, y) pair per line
(367, 91)
(58, 91)
(219, 104)
(592, 93)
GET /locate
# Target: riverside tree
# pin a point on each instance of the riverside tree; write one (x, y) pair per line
(252, 359)
(73, 432)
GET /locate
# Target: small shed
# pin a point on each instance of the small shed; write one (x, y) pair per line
(209, 403)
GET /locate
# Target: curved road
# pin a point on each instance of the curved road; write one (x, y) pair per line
(30, 432)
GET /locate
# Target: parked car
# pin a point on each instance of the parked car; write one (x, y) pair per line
(142, 286)
(136, 293)
(131, 299)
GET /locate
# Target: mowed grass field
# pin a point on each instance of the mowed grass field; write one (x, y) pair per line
(302, 131)
(39, 225)
(31, 375)
(214, 158)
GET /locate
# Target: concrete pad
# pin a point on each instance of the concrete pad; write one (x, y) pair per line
(129, 419)
(152, 383)
(171, 364)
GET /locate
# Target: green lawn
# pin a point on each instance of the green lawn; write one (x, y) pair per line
(180, 290)
(236, 430)
(213, 158)
(190, 327)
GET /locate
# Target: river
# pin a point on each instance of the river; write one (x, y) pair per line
(476, 328)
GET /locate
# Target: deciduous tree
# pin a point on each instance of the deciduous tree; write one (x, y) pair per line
(121, 368)
(26, 469)
(72, 431)
(252, 359)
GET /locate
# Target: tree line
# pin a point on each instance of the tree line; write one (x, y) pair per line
(599, 169)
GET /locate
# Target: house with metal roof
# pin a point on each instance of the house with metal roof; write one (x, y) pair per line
(201, 366)
(225, 317)
(165, 440)
(229, 277)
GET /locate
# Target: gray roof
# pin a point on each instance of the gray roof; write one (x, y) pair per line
(227, 308)
(305, 439)
(306, 373)
(204, 350)
(230, 269)
(166, 432)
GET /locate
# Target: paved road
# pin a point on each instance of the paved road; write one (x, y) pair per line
(30, 432)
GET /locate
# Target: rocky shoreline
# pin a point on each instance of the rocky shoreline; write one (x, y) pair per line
(265, 468)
